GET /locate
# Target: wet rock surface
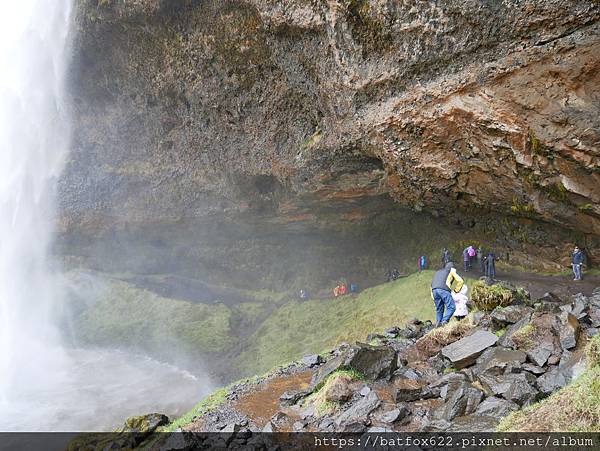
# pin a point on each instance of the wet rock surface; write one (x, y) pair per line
(466, 350)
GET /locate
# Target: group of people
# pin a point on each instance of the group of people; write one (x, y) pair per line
(486, 261)
(341, 289)
(392, 274)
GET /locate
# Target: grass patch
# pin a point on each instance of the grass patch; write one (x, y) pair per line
(126, 316)
(575, 408)
(487, 298)
(524, 337)
(299, 328)
(318, 397)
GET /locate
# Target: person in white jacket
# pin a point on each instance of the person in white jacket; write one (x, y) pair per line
(461, 300)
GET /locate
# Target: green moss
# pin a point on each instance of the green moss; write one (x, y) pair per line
(557, 191)
(534, 143)
(521, 209)
(586, 207)
(487, 298)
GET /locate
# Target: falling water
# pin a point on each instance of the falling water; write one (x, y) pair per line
(43, 384)
(34, 138)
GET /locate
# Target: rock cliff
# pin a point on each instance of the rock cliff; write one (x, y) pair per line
(305, 117)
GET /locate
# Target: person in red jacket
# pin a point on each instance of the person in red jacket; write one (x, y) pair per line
(343, 289)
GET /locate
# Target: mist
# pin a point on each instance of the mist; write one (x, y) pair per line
(47, 383)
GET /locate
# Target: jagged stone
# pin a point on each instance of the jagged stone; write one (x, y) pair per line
(339, 390)
(521, 392)
(365, 390)
(290, 398)
(496, 407)
(466, 350)
(391, 332)
(409, 390)
(554, 359)
(579, 307)
(591, 331)
(540, 354)
(408, 373)
(506, 339)
(440, 425)
(510, 314)
(374, 362)
(329, 367)
(496, 360)
(391, 416)
(312, 360)
(594, 316)
(358, 412)
(462, 399)
(533, 369)
(552, 380)
(499, 385)
(568, 331)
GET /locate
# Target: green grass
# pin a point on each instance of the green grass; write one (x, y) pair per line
(300, 328)
(131, 317)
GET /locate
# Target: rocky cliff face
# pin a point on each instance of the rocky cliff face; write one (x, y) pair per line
(306, 116)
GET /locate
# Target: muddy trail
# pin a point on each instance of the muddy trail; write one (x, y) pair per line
(539, 284)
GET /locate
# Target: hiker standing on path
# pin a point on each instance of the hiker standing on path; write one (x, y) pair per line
(577, 261)
(441, 292)
(466, 259)
(490, 266)
(481, 260)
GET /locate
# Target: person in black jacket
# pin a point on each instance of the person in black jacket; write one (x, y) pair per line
(490, 266)
(577, 261)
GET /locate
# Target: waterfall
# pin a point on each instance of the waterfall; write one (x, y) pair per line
(34, 139)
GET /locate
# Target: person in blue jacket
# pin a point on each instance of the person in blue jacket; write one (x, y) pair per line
(577, 262)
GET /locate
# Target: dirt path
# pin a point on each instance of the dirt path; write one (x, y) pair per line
(262, 404)
(538, 284)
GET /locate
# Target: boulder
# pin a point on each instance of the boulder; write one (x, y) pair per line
(338, 390)
(540, 354)
(594, 316)
(462, 399)
(568, 331)
(321, 375)
(496, 407)
(553, 380)
(533, 369)
(408, 390)
(499, 385)
(374, 362)
(496, 360)
(408, 373)
(365, 390)
(391, 416)
(465, 351)
(289, 398)
(506, 339)
(510, 314)
(443, 382)
(521, 392)
(312, 360)
(145, 424)
(359, 411)
(579, 307)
